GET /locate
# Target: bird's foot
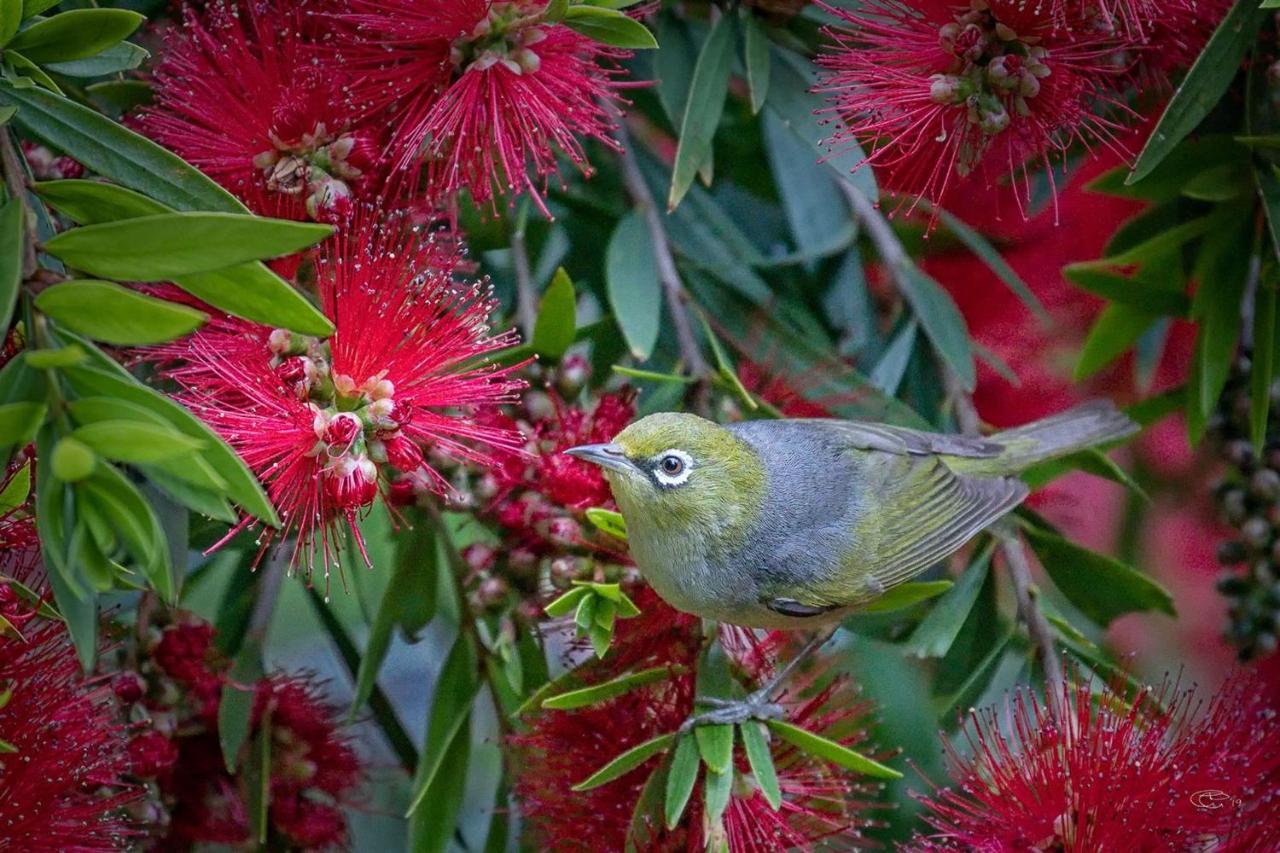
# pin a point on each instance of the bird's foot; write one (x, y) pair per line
(757, 706)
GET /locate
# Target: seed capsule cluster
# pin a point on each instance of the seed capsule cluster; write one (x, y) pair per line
(1249, 500)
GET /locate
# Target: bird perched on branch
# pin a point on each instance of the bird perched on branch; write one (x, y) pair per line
(796, 523)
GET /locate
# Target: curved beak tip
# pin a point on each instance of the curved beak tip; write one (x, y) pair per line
(605, 455)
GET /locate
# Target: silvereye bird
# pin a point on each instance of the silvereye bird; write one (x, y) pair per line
(796, 523)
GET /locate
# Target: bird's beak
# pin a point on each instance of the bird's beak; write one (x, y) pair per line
(605, 455)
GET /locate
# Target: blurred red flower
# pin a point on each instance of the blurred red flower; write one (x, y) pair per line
(484, 95)
(64, 756)
(245, 93)
(1112, 775)
(328, 425)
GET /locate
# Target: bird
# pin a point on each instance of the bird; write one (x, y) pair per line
(796, 523)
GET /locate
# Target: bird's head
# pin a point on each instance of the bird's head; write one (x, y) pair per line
(678, 471)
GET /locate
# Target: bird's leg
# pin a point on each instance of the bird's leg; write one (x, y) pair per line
(758, 705)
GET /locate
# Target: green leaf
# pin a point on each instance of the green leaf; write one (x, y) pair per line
(242, 486)
(717, 788)
(455, 691)
(1141, 292)
(6, 113)
(1115, 330)
(813, 203)
(123, 56)
(10, 19)
(72, 461)
(933, 636)
(434, 825)
(889, 371)
(28, 74)
(19, 422)
(235, 709)
(554, 328)
(610, 27)
(1222, 268)
(681, 778)
(829, 750)
(626, 762)
(160, 247)
(715, 744)
(124, 507)
(91, 202)
(611, 689)
(1100, 586)
(108, 149)
(631, 278)
(1091, 461)
(251, 291)
(985, 252)
(117, 315)
(703, 108)
(31, 8)
(941, 321)
(907, 595)
(409, 601)
(136, 442)
(609, 522)
(756, 744)
(254, 292)
(566, 603)
(16, 490)
(13, 234)
(1263, 363)
(118, 97)
(755, 51)
(76, 34)
(1203, 87)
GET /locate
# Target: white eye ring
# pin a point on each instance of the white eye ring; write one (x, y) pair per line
(673, 468)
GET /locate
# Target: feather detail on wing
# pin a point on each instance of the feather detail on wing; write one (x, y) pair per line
(901, 441)
(924, 513)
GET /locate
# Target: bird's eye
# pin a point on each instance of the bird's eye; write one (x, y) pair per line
(672, 468)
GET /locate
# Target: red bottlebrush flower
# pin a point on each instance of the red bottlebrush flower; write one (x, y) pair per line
(152, 754)
(326, 424)
(311, 754)
(561, 748)
(1112, 775)
(243, 94)
(65, 754)
(484, 94)
(938, 92)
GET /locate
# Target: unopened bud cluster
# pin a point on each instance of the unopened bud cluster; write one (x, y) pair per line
(319, 163)
(359, 428)
(537, 501)
(995, 72)
(1249, 500)
(507, 36)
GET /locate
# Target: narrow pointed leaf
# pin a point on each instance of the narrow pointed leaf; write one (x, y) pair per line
(12, 234)
(76, 34)
(702, 110)
(627, 761)
(756, 744)
(829, 750)
(681, 778)
(108, 312)
(715, 744)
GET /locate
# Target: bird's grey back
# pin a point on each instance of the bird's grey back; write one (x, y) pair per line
(814, 499)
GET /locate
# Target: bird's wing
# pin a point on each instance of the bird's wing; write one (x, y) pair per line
(924, 512)
(901, 441)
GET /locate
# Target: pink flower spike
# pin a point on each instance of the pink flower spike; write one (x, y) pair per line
(330, 425)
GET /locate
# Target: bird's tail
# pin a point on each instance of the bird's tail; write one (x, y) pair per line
(1087, 425)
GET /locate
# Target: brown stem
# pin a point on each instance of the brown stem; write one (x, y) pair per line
(668, 275)
(15, 179)
(526, 293)
(1014, 551)
(269, 584)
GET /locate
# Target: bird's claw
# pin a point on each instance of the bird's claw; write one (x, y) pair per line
(733, 711)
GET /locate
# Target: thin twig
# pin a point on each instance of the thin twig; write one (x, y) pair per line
(1015, 558)
(668, 275)
(526, 292)
(268, 592)
(15, 180)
